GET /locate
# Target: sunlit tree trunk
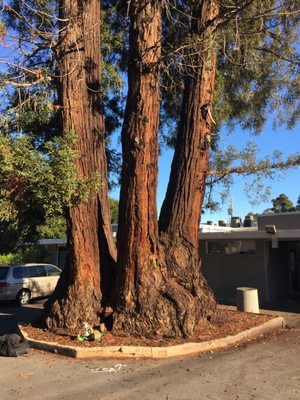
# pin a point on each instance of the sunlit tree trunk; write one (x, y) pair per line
(156, 297)
(181, 209)
(90, 244)
(138, 246)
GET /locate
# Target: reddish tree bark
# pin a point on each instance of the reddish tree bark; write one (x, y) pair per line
(155, 298)
(138, 246)
(90, 243)
(181, 209)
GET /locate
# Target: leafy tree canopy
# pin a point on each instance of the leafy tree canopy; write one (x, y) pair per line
(257, 73)
(28, 76)
(282, 204)
(257, 77)
(35, 188)
(53, 228)
(114, 210)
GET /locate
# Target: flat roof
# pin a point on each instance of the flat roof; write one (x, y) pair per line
(271, 214)
(251, 233)
(52, 241)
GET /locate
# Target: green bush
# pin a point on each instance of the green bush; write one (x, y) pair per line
(33, 254)
(11, 258)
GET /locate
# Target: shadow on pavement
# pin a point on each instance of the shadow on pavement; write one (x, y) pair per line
(11, 316)
(290, 306)
(8, 324)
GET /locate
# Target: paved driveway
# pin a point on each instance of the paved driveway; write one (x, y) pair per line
(11, 315)
(268, 370)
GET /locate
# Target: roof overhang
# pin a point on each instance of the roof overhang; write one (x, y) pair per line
(238, 234)
(47, 242)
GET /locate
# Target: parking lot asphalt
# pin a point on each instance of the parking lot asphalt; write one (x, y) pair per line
(265, 370)
(268, 369)
(12, 315)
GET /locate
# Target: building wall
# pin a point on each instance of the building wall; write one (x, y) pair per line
(282, 221)
(279, 270)
(226, 272)
(55, 254)
(294, 266)
(51, 257)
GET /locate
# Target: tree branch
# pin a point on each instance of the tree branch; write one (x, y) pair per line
(292, 162)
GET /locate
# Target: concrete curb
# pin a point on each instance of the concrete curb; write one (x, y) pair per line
(274, 324)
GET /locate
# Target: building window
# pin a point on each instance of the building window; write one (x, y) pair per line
(231, 247)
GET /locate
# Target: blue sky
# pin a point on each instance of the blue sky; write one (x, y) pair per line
(287, 141)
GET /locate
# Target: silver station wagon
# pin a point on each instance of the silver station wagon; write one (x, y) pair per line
(22, 282)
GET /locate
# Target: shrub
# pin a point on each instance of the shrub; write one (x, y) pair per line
(33, 254)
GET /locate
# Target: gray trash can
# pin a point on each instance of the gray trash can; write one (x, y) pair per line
(247, 299)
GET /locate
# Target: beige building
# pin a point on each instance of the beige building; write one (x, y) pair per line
(266, 257)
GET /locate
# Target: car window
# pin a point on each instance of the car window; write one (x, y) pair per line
(3, 272)
(20, 272)
(52, 270)
(37, 271)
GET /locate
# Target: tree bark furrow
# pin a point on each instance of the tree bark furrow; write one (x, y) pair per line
(90, 246)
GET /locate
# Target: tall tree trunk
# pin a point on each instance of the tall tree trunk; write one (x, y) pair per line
(181, 209)
(90, 244)
(157, 293)
(138, 245)
(151, 301)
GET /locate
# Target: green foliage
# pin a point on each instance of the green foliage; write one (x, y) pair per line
(257, 68)
(112, 45)
(30, 112)
(258, 65)
(114, 210)
(11, 258)
(33, 254)
(29, 77)
(58, 177)
(50, 179)
(35, 188)
(53, 228)
(282, 204)
(257, 77)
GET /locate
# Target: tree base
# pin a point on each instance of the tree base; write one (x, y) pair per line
(170, 306)
(68, 308)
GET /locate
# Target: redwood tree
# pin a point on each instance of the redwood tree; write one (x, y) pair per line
(155, 295)
(181, 209)
(91, 250)
(138, 309)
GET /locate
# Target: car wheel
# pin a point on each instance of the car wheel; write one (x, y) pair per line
(23, 297)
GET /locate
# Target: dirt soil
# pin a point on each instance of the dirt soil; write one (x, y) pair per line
(227, 323)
